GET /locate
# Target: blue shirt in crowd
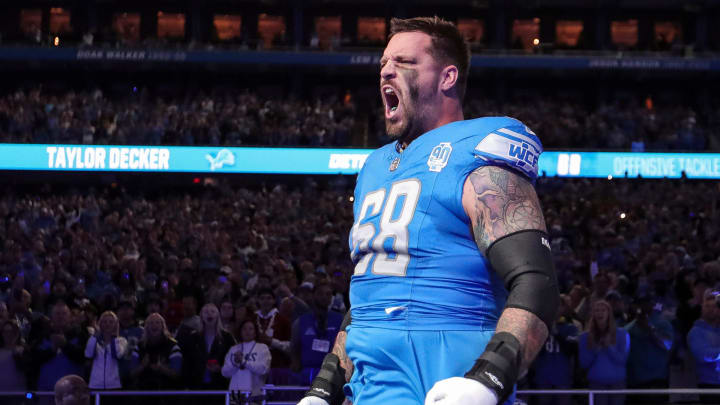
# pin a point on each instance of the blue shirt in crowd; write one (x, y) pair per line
(554, 364)
(605, 365)
(649, 361)
(704, 342)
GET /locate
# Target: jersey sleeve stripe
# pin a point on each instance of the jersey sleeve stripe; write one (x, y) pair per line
(507, 150)
(518, 137)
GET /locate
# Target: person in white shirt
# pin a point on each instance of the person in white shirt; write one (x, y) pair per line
(105, 348)
(247, 363)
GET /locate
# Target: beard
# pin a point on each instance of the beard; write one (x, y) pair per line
(408, 124)
(400, 129)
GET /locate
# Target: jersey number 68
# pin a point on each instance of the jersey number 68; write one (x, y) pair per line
(397, 210)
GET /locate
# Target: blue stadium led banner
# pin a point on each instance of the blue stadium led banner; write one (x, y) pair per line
(620, 164)
(326, 161)
(181, 159)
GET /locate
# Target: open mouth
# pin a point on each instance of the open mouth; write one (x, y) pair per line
(391, 100)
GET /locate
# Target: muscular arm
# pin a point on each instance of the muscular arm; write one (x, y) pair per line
(500, 202)
(339, 350)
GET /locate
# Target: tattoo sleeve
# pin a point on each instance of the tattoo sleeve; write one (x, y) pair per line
(339, 350)
(500, 202)
(528, 329)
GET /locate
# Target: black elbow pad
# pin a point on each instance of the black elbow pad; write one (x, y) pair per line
(524, 261)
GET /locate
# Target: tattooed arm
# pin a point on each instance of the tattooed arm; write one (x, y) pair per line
(327, 386)
(339, 350)
(500, 202)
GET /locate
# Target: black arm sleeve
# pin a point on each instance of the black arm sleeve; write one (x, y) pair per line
(524, 261)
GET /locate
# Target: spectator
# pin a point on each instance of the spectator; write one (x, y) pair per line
(158, 359)
(313, 334)
(106, 348)
(618, 308)
(191, 322)
(204, 351)
(303, 299)
(651, 338)
(690, 310)
(299, 307)
(71, 390)
(704, 343)
(20, 309)
(553, 368)
(227, 314)
(340, 285)
(247, 363)
(59, 347)
(14, 358)
(129, 327)
(601, 284)
(241, 314)
(603, 353)
(274, 329)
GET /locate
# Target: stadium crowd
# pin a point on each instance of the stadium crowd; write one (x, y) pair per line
(218, 288)
(245, 118)
(231, 118)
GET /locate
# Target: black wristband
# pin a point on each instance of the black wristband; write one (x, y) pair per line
(328, 383)
(499, 365)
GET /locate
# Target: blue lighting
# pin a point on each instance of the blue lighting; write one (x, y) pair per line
(328, 161)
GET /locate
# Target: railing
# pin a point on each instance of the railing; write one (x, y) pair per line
(591, 394)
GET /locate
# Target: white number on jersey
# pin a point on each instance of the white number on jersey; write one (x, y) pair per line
(397, 229)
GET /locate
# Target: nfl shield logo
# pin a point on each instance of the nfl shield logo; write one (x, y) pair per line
(394, 164)
(439, 157)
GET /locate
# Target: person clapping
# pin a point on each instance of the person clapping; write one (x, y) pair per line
(105, 348)
(247, 363)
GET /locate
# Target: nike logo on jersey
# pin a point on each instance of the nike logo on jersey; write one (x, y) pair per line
(390, 310)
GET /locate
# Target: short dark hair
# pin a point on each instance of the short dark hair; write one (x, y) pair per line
(448, 44)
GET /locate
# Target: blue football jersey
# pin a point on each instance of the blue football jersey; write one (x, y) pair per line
(417, 266)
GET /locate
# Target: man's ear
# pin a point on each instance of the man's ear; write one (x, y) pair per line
(448, 77)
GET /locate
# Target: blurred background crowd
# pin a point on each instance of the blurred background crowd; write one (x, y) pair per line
(217, 286)
(245, 118)
(227, 118)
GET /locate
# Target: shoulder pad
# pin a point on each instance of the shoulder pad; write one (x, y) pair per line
(514, 146)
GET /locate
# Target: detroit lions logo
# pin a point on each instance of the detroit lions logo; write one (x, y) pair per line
(439, 157)
(223, 157)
